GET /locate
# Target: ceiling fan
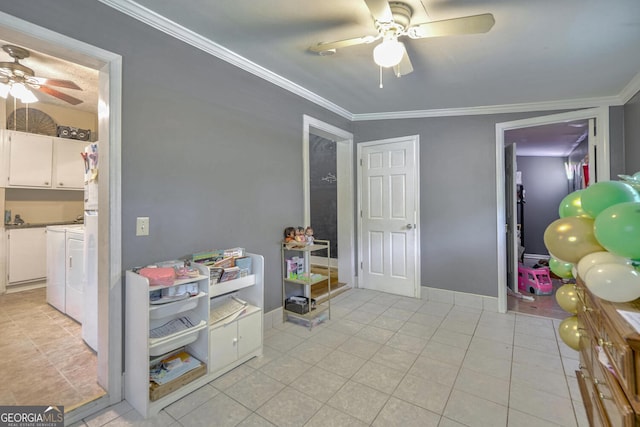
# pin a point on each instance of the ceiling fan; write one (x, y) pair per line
(393, 20)
(18, 80)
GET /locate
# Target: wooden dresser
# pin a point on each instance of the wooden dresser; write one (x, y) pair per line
(609, 375)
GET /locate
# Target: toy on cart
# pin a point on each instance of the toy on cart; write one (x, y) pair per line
(534, 280)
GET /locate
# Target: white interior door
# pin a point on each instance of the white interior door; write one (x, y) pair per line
(389, 220)
(513, 242)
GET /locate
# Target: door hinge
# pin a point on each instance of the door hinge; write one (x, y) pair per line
(360, 162)
(361, 265)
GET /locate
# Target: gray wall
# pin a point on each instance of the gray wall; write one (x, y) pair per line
(457, 196)
(616, 141)
(210, 153)
(213, 154)
(632, 135)
(545, 183)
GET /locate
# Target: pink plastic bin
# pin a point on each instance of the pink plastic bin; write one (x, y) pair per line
(534, 280)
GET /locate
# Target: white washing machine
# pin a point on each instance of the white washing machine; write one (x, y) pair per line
(56, 274)
(74, 271)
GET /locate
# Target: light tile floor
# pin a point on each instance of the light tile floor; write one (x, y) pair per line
(384, 360)
(44, 359)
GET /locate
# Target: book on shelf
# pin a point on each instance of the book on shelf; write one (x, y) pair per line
(172, 327)
(225, 262)
(244, 264)
(230, 273)
(172, 367)
(234, 253)
(208, 258)
(215, 273)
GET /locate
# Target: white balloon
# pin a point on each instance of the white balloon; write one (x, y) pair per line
(614, 282)
(595, 258)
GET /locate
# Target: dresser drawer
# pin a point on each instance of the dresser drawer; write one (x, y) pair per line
(619, 355)
(607, 392)
(595, 412)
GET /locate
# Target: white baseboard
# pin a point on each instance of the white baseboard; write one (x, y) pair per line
(272, 318)
(535, 256)
(462, 299)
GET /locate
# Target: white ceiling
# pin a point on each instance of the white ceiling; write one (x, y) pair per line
(538, 51)
(552, 140)
(545, 53)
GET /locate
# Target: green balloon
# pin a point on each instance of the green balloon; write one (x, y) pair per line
(601, 195)
(617, 229)
(571, 205)
(560, 268)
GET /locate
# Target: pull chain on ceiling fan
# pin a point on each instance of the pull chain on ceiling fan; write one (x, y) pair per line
(19, 81)
(393, 20)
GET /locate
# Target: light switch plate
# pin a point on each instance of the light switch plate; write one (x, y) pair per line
(142, 226)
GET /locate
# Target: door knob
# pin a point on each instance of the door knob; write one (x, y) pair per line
(409, 226)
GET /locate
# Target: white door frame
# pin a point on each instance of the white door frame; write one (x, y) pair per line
(109, 66)
(601, 114)
(344, 175)
(416, 144)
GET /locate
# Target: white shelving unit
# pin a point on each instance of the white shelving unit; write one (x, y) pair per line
(291, 286)
(220, 346)
(233, 342)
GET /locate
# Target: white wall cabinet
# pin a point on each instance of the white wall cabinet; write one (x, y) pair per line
(39, 161)
(27, 255)
(30, 160)
(221, 346)
(68, 165)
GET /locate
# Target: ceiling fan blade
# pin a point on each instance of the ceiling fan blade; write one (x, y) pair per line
(67, 84)
(448, 27)
(63, 96)
(404, 67)
(327, 46)
(380, 10)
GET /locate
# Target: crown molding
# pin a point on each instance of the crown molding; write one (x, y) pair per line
(493, 109)
(194, 39)
(630, 89)
(159, 22)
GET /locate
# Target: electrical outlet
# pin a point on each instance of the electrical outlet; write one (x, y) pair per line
(142, 226)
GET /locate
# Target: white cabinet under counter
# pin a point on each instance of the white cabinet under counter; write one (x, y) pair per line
(26, 255)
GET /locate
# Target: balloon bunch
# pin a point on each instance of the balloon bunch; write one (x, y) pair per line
(597, 237)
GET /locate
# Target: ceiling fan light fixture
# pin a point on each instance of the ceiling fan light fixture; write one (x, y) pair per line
(20, 91)
(389, 53)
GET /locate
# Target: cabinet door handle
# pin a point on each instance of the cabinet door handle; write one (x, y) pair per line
(235, 341)
(61, 184)
(70, 262)
(46, 183)
(602, 343)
